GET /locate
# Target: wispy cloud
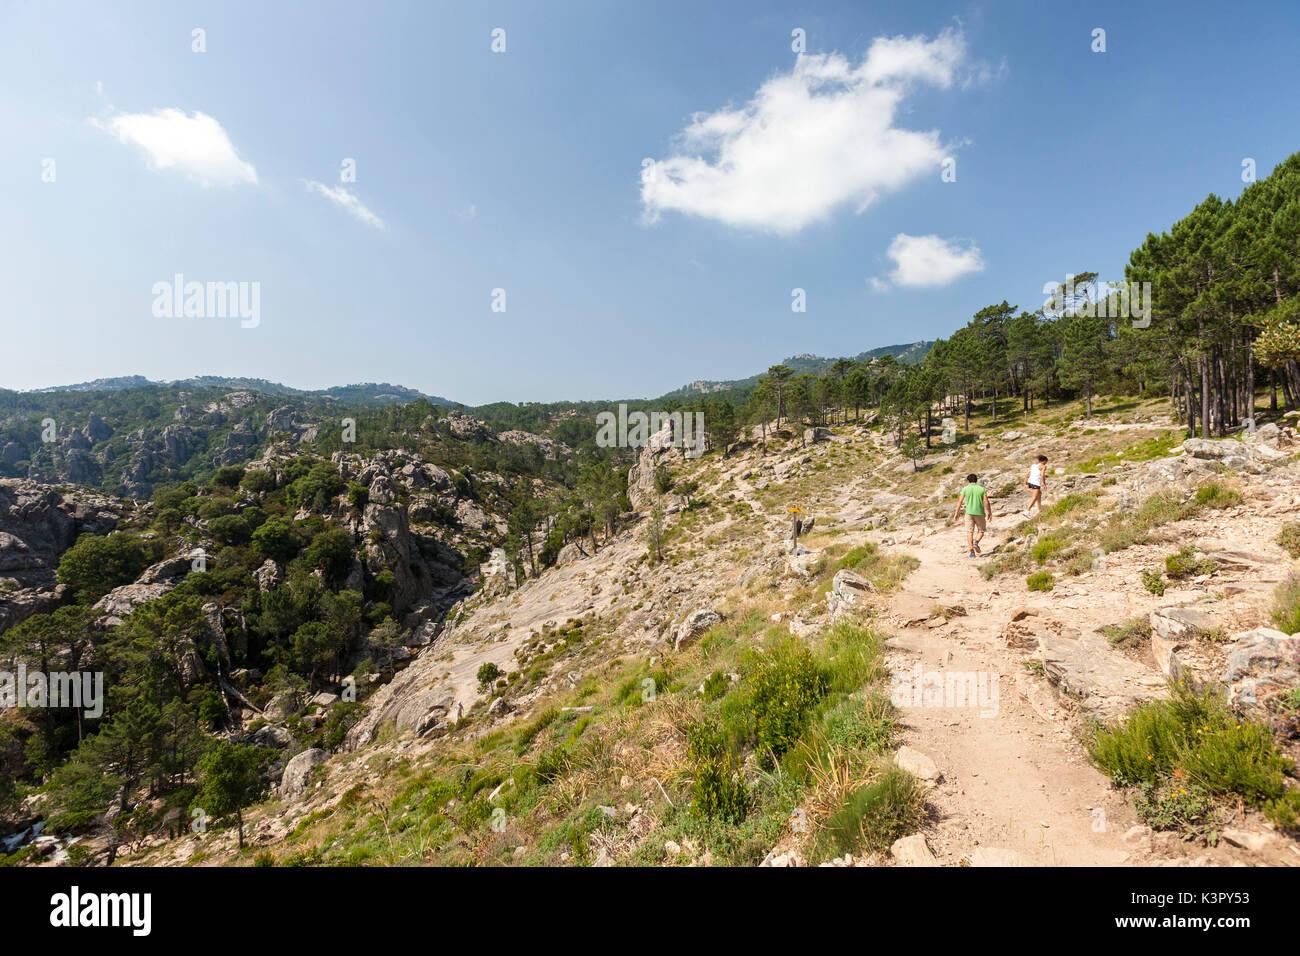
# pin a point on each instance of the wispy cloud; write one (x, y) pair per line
(346, 201)
(929, 261)
(821, 136)
(195, 144)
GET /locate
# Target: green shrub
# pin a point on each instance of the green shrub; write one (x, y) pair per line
(228, 476)
(787, 683)
(716, 686)
(1185, 564)
(1047, 548)
(276, 539)
(1040, 581)
(1194, 742)
(1289, 538)
(1174, 806)
(1286, 605)
(258, 481)
(1154, 581)
(316, 489)
(331, 552)
(358, 495)
(229, 529)
(719, 785)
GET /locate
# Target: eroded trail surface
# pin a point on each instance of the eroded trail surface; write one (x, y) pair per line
(1014, 777)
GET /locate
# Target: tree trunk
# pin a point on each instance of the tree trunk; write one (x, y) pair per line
(1204, 367)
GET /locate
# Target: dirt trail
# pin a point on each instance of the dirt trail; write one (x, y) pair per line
(1013, 775)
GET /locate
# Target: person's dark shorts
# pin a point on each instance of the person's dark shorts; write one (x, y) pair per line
(1034, 486)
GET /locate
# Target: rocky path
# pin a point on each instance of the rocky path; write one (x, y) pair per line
(1013, 776)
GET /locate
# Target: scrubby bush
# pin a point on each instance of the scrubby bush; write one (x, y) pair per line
(719, 788)
(228, 476)
(331, 552)
(1289, 538)
(258, 481)
(1286, 605)
(276, 539)
(1040, 581)
(1154, 582)
(1194, 740)
(787, 683)
(317, 489)
(229, 529)
(1185, 564)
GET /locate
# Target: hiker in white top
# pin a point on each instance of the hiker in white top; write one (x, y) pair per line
(1035, 482)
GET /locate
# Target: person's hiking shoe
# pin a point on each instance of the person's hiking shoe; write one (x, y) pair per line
(972, 552)
(977, 548)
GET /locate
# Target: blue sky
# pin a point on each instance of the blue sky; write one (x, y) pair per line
(522, 170)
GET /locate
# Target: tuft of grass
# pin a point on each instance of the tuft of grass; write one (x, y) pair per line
(1133, 631)
(1048, 547)
(874, 815)
(1074, 501)
(1286, 605)
(1216, 494)
(1158, 447)
(885, 572)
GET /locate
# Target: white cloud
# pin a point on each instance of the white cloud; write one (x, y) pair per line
(811, 140)
(194, 144)
(345, 200)
(929, 261)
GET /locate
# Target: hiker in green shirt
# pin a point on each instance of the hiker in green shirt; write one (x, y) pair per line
(975, 500)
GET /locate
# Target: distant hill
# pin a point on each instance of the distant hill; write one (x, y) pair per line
(805, 362)
(360, 395)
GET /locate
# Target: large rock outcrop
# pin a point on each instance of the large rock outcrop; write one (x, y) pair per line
(37, 524)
